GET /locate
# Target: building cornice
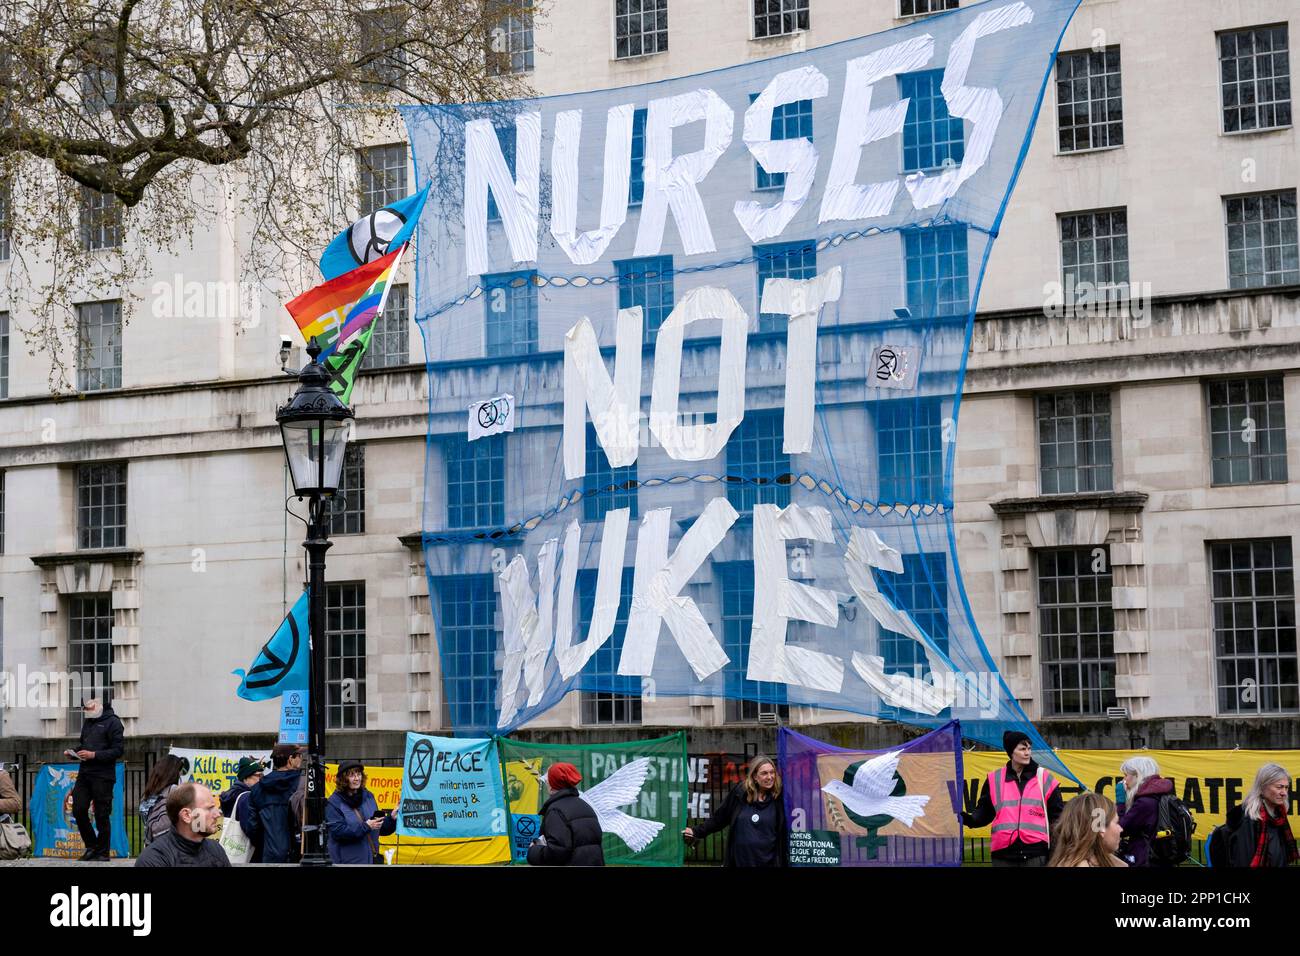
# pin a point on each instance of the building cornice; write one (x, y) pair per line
(1108, 500)
(96, 556)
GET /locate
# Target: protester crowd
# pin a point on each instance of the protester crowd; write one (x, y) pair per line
(259, 817)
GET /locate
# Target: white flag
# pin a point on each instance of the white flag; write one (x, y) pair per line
(492, 417)
(892, 366)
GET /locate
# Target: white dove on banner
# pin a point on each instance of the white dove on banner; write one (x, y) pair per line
(870, 794)
(620, 789)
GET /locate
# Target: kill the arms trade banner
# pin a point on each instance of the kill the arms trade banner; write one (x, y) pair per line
(733, 311)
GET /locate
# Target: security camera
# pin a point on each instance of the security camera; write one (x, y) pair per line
(286, 346)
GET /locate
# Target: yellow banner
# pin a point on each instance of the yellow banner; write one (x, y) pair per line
(1210, 782)
(386, 784)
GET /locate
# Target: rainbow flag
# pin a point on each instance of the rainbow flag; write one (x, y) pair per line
(337, 311)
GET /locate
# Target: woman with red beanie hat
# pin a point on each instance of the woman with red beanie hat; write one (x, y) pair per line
(571, 832)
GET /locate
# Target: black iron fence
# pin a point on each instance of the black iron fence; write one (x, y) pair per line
(710, 777)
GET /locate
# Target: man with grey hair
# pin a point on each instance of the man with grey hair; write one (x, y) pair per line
(99, 748)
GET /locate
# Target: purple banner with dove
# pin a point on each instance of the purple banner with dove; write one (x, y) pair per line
(896, 807)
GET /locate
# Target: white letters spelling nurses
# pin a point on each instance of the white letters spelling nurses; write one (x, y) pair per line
(672, 183)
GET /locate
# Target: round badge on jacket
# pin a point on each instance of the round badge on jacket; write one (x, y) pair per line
(754, 818)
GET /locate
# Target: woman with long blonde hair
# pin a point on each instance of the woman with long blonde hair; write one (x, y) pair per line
(1259, 831)
(1088, 833)
(754, 816)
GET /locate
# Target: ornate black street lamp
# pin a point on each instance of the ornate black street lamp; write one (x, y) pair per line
(314, 426)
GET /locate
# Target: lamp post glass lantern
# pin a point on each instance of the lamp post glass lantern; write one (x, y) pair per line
(315, 425)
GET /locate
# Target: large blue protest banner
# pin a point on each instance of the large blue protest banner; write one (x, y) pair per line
(451, 788)
(54, 831)
(734, 311)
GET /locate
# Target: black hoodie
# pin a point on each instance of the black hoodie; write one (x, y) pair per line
(104, 735)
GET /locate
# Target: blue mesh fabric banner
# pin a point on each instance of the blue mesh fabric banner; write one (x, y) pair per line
(873, 807)
(695, 355)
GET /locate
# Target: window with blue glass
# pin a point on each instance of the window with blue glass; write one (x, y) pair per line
(506, 137)
(789, 121)
(510, 305)
(608, 488)
(909, 451)
(922, 591)
(938, 282)
(931, 136)
(636, 192)
(476, 482)
(746, 699)
(648, 283)
(758, 471)
(467, 648)
(617, 699)
(782, 260)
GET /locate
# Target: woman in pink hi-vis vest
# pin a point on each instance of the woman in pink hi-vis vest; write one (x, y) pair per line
(1023, 802)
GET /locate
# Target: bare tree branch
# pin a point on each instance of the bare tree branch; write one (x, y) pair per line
(145, 100)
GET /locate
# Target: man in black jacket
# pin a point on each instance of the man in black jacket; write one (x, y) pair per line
(193, 810)
(571, 832)
(273, 824)
(101, 746)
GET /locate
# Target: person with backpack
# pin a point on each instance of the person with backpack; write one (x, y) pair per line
(14, 839)
(1023, 802)
(10, 805)
(1258, 831)
(273, 826)
(1157, 827)
(163, 779)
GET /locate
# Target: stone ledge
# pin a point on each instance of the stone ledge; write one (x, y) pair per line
(97, 556)
(1109, 500)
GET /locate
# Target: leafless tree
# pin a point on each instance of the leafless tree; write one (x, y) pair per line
(125, 125)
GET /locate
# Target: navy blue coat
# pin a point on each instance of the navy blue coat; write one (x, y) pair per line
(350, 839)
(272, 825)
